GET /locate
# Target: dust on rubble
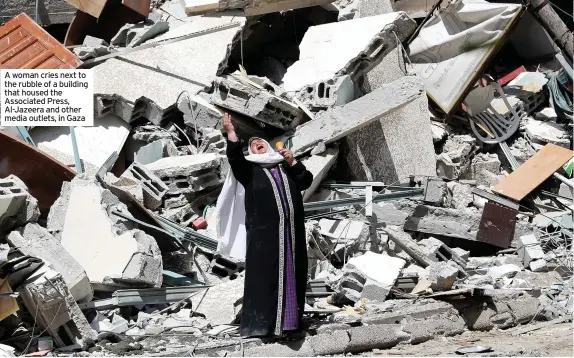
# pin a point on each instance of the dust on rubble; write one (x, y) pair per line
(551, 341)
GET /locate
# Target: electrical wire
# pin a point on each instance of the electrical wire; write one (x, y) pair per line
(563, 11)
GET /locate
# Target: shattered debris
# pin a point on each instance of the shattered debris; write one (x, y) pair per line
(416, 227)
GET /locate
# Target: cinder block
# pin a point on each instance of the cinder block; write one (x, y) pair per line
(329, 93)
(17, 207)
(380, 336)
(529, 249)
(153, 188)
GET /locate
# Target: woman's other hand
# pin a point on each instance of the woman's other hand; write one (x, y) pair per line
(288, 155)
(229, 128)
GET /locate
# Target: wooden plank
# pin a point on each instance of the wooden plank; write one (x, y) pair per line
(22, 42)
(92, 7)
(533, 172)
(259, 7)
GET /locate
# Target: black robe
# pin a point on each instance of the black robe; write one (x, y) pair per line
(264, 222)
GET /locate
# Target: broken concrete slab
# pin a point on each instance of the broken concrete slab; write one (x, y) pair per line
(539, 265)
(345, 230)
(396, 146)
(95, 144)
(17, 206)
(46, 294)
(81, 218)
(148, 82)
(184, 165)
(319, 165)
(547, 132)
(220, 302)
(156, 150)
(366, 338)
(345, 48)
(382, 270)
(36, 241)
(341, 121)
(256, 103)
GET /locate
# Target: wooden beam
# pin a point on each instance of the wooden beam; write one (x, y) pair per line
(92, 7)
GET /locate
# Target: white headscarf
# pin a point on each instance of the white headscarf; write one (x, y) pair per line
(230, 209)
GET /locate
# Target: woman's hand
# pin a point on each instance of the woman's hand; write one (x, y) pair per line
(229, 128)
(288, 155)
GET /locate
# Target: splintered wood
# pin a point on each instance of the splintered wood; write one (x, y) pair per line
(533, 172)
(25, 45)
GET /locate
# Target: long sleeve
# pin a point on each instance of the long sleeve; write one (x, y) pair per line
(300, 175)
(242, 169)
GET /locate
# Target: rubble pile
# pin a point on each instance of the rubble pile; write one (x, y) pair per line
(417, 227)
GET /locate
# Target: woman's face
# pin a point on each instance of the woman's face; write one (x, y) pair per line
(258, 146)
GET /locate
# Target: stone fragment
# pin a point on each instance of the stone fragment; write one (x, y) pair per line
(483, 168)
(529, 249)
(319, 165)
(441, 275)
(333, 343)
(347, 9)
(381, 270)
(435, 192)
(365, 42)
(463, 254)
(256, 103)
(17, 206)
(366, 338)
(566, 190)
(82, 218)
(439, 131)
(212, 142)
(156, 150)
(455, 157)
(507, 270)
(460, 195)
(341, 121)
(325, 94)
(547, 114)
(539, 265)
(47, 294)
(36, 241)
(219, 304)
(547, 132)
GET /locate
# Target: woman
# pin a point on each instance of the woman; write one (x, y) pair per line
(266, 203)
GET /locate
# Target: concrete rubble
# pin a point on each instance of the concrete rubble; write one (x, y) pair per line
(407, 241)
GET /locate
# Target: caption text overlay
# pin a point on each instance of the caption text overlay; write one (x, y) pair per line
(46, 98)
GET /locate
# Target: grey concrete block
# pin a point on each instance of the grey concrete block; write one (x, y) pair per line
(290, 349)
(398, 144)
(154, 189)
(341, 121)
(380, 336)
(394, 312)
(36, 241)
(529, 249)
(483, 168)
(435, 192)
(334, 343)
(319, 165)
(441, 275)
(255, 103)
